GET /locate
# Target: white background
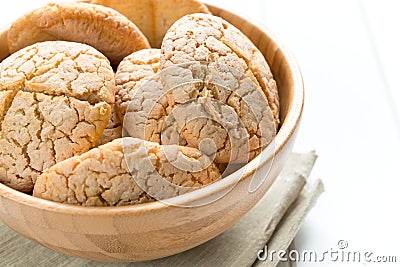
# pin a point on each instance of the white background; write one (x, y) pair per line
(349, 53)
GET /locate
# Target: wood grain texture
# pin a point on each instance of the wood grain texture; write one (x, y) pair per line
(238, 246)
(155, 230)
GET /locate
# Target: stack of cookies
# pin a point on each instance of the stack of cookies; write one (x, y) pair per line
(102, 108)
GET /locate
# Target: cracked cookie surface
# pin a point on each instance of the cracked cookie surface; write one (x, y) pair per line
(154, 17)
(113, 129)
(203, 37)
(103, 28)
(126, 171)
(217, 109)
(56, 102)
(234, 73)
(133, 71)
(140, 100)
(181, 106)
(166, 107)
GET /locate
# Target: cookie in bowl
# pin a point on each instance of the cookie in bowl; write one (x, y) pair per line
(56, 102)
(152, 230)
(126, 171)
(131, 73)
(229, 69)
(103, 28)
(200, 90)
(208, 38)
(154, 17)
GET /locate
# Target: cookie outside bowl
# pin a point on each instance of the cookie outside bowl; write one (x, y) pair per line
(154, 230)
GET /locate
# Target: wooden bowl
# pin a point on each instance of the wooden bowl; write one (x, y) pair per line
(155, 230)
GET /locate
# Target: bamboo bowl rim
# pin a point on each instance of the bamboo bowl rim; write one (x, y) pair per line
(287, 129)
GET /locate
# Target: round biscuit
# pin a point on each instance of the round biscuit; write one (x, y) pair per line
(103, 28)
(56, 102)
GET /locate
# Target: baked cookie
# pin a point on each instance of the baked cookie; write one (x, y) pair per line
(169, 114)
(56, 100)
(103, 28)
(193, 111)
(140, 97)
(133, 71)
(240, 120)
(113, 129)
(126, 171)
(203, 37)
(154, 17)
(138, 89)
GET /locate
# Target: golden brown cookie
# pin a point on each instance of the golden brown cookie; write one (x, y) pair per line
(193, 110)
(103, 28)
(126, 171)
(240, 120)
(203, 37)
(154, 17)
(56, 102)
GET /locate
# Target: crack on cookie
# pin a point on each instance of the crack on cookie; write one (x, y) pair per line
(265, 87)
(39, 117)
(24, 150)
(5, 109)
(113, 129)
(23, 62)
(36, 73)
(137, 67)
(37, 140)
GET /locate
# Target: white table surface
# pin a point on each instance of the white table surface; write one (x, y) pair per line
(349, 53)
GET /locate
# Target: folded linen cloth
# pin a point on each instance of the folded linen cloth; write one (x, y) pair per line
(274, 221)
